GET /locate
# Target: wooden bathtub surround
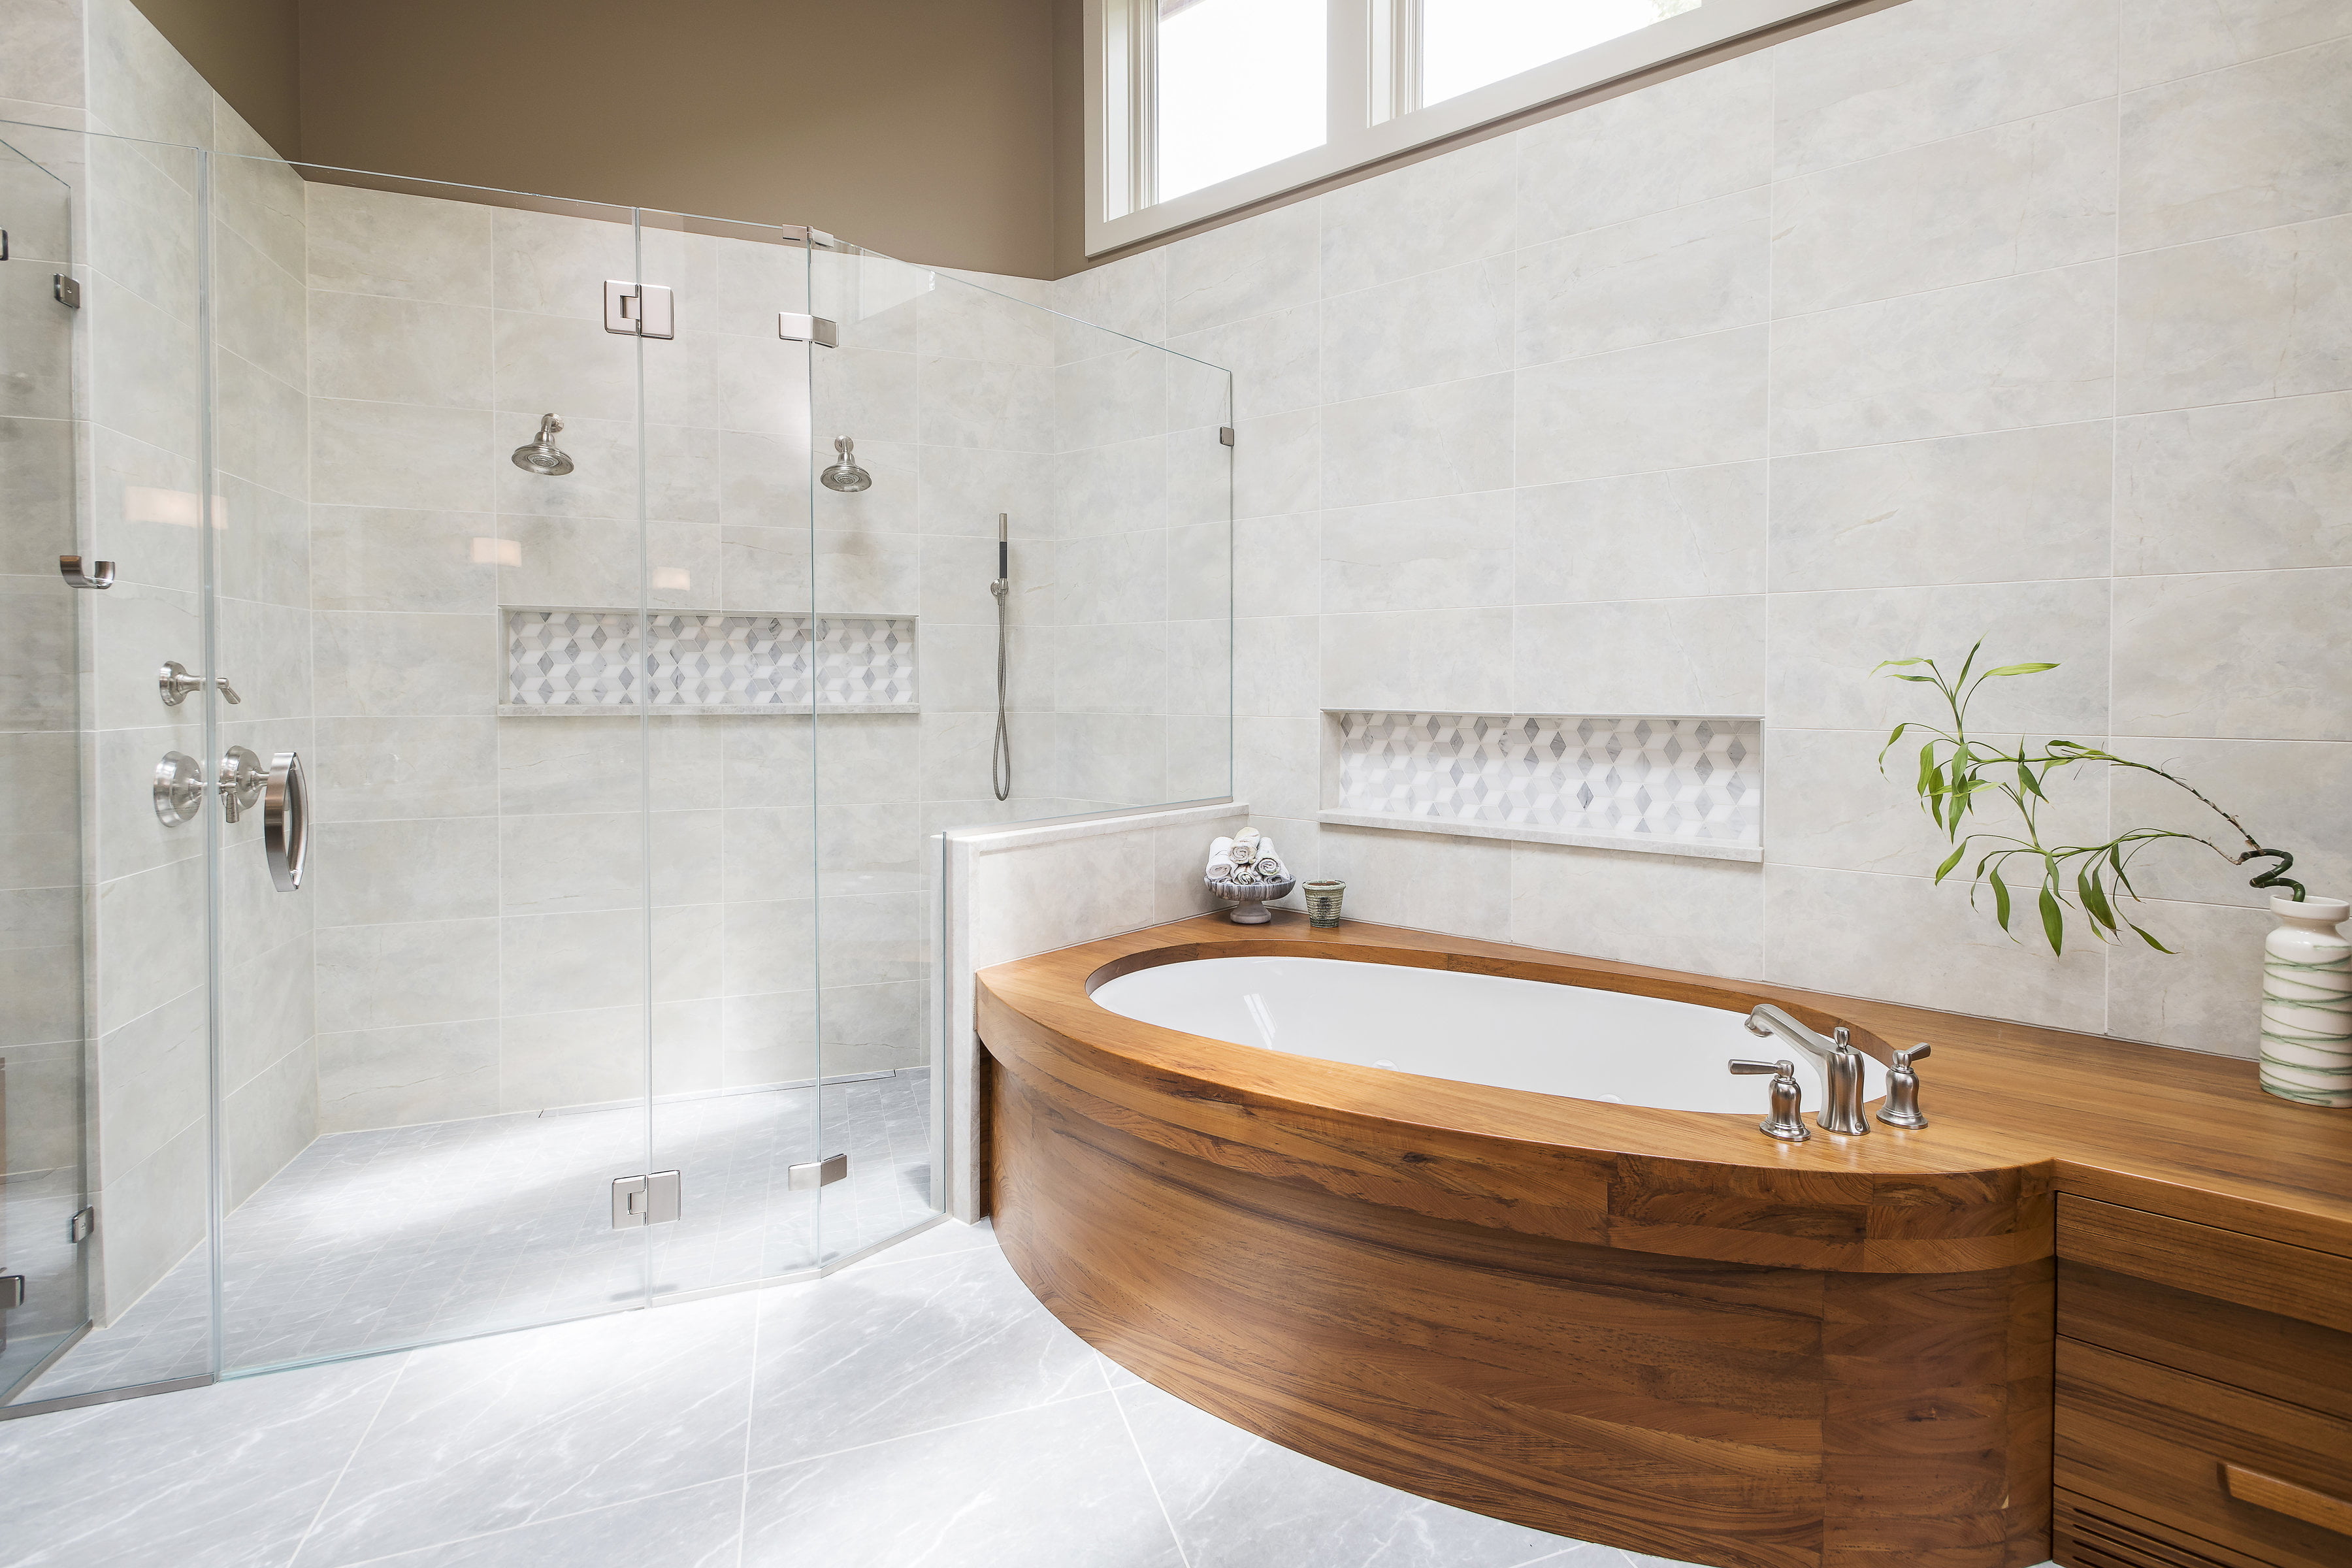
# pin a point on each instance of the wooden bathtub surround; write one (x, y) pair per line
(1661, 1331)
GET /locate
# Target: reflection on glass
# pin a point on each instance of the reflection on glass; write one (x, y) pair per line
(1240, 86)
(1467, 44)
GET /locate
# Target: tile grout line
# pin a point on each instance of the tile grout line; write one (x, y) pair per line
(1144, 1464)
(310, 1529)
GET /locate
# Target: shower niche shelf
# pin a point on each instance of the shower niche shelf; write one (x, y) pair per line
(1654, 784)
(583, 663)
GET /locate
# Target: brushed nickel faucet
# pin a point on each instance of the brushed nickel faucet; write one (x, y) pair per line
(1841, 1067)
(1901, 1107)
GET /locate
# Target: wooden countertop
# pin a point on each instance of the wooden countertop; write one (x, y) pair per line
(2017, 1112)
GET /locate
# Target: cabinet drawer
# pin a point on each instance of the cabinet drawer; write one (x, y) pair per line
(2285, 1358)
(2193, 1456)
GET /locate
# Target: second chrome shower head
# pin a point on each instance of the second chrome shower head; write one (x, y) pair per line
(543, 456)
(846, 475)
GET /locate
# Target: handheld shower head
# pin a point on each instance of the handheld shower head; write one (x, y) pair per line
(846, 475)
(542, 456)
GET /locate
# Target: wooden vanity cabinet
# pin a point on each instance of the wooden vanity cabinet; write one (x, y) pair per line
(2204, 1395)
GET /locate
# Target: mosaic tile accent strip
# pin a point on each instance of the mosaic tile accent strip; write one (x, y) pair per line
(575, 660)
(1692, 785)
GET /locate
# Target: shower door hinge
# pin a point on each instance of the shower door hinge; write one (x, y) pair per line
(12, 1291)
(799, 329)
(644, 1200)
(819, 1173)
(1225, 434)
(78, 1228)
(67, 290)
(639, 309)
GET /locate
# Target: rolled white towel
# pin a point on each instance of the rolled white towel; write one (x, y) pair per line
(1243, 854)
(1249, 836)
(1269, 868)
(1221, 870)
(1220, 848)
(1244, 877)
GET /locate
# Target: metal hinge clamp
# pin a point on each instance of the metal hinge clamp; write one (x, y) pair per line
(651, 1199)
(795, 328)
(639, 309)
(819, 1173)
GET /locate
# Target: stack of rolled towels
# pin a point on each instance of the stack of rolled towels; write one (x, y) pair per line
(1245, 858)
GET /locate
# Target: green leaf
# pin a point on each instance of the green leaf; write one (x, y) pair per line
(2095, 898)
(1951, 860)
(1897, 663)
(2018, 669)
(2147, 939)
(2029, 783)
(2054, 921)
(1999, 897)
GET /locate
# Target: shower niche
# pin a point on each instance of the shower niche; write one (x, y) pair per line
(571, 662)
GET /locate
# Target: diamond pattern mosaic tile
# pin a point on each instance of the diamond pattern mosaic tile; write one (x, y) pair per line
(1690, 779)
(588, 659)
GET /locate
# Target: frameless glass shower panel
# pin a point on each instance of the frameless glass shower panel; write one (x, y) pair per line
(433, 1051)
(42, 1066)
(732, 766)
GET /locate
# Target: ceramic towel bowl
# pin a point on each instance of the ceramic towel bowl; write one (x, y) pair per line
(1249, 899)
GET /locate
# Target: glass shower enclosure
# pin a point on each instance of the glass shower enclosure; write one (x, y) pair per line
(471, 738)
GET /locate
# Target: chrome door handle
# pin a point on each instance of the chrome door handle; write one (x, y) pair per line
(286, 821)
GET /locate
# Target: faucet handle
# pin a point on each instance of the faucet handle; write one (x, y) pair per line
(1786, 1122)
(1901, 1107)
(1905, 1057)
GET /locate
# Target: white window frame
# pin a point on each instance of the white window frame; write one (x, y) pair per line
(1374, 66)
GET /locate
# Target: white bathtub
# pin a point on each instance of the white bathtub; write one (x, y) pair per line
(1475, 1029)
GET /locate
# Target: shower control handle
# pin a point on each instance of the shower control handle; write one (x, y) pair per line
(176, 683)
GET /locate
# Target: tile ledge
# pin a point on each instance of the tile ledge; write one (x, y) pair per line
(1695, 848)
(695, 710)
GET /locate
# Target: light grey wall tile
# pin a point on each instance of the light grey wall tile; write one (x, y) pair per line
(2035, 350)
(43, 63)
(1968, 509)
(969, 403)
(2285, 792)
(372, 873)
(151, 1081)
(394, 455)
(1676, 274)
(1421, 217)
(2251, 146)
(1706, 916)
(1432, 440)
(591, 1056)
(871, 939)
(1114, 489)
(402, 1076)
(555, 264)
(1274, 666)
(1684, 140)
(2245, 655)
(150, 927)
(2242, 486)
(1273, 359)
(1276, 765)
(143, 231)
(386, 558)
(975, 319)
(1668, 534)
(143, 370)
(1114, 758)
(427, 972)
(365, 768)
(40, 844)
(1446, 553)
(263, 538)
(261, 427)
(2020, 197)
(374, 350)
(2254, 315)
(2162, 39)
(1434, 327)
(1698, 657)
(2204, 995)
(268, 1120)
(1920, 72)
(269, 1007)
(1118, 667)
(1419, 880)
(961, 489)
(1261, 264)
(139, 85)
(1825, 645)
(258, 307)
(552, 363)
(1855, 934)
(1127, 297)
(555, 864)
(402, 246)
(151, 1215)
(1277, 464)
(1117, 397)
(1421, 660)
(556, 963)
(1684, 403)
(768, 1039)
(1051, 895)
(410, 665)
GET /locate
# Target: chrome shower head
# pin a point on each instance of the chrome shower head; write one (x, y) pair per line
(846, 475)
(542, 456)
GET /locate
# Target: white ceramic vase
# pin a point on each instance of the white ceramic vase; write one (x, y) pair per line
(2307, 1003)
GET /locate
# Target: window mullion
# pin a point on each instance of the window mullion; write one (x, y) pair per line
(1392, 73)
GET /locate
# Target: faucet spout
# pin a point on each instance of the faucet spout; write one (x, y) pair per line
(1841, 1067)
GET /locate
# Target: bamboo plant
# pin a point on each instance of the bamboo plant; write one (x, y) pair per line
(1959, 772)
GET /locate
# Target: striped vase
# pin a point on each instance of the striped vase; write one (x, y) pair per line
(2307, 1003)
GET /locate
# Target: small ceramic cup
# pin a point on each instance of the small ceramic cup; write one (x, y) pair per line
(1323, 903)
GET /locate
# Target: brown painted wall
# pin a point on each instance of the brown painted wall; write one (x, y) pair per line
(247, 50)
(920, 128)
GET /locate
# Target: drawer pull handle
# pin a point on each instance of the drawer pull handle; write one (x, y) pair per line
(2285, 1497)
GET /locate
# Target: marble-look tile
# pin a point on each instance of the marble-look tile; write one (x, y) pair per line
(961, 489)
(1275, 360)
(548, 1061)
(1127, 297)
(153, 1087)
(264, 543)
(1118, 396)
(150, 927)
(1968, 509)
(43, 63)
(1266, 262)
(2032, 350)
(405, 1076)
(1434, 327)
(495, 1433)
(876, 395)
(2282, 789)
(2020, 197)
(232, 1474)
(559, 363)
(399, 246)
(555, 264)
(375, 349)
(2252, 146)
(979, 316)
(1419, 218)
(1049, 895)
(554, 963)
(2243, 486)
(1421, 880)
(256, 192)
(1697, 656)
(1668, 534)
(431, 972)
(432, 869)
(143, 370)
(40, 776)
(1450, 439)
(2206, 994)
(267, 1120)
(261, 426)
(2162, 39)
(1450, 552)
(386, 558)
(552, 864)
(1684, 403)
(1455, 661)
(693, 1527)
(1239, 1501)
(396, 455)
(143, 233)
(408, 665)
(258, 307)
(1676, 274)
(2233, 653)
(2254, 315)
(1686, 140)
(1922, 72)
(1855, 934)
(139, 84)
(970, 403)
(1277, 464)
(1825, 646)
(269, 1006)
(1114, 489)
(889, 1353)
(1060, 1485)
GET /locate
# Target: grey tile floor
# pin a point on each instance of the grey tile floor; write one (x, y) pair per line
(434, 1232)
(916, 1410)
